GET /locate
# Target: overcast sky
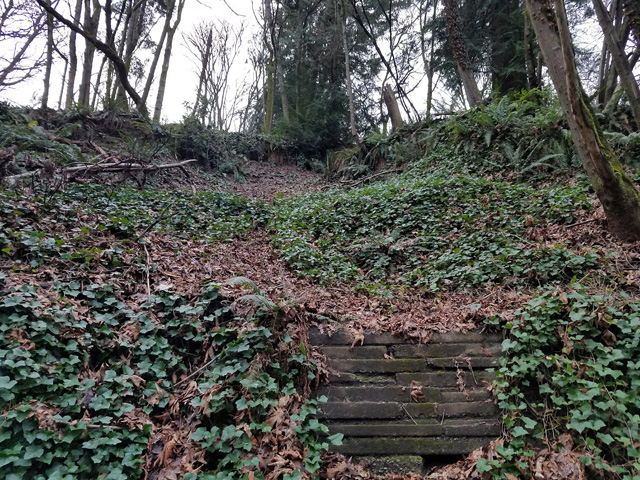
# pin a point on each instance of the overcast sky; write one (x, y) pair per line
(183, 76)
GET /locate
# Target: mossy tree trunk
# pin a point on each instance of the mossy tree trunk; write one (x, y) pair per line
(616, 191)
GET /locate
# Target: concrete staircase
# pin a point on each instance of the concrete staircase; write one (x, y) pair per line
(403, 406)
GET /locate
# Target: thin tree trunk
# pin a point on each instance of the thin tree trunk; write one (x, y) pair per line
(73, 57)
(64, 83)
(428, 62)
(156, 58)
(454, 31)
(283, 91)
(345, 46)
(91, 22)
(106, 50)
(203, 72)
(167, 59)
(627, 79)
(392, 107)
(616, 191)
(617, 95)
(131, 39)
(96, 87)
(49, 62)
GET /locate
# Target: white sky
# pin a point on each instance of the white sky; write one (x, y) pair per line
(183, 75)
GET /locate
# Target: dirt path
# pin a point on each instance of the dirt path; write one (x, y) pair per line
(402, 311)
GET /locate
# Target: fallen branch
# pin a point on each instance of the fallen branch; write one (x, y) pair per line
(371, 177)
(106, 168)
(582, 223)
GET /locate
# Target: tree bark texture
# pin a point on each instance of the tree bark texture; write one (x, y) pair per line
(616, 191)
(156, 59)
(460, 53)
(91, 22)
(392, 107)
(49, 63)
(167, 59)
(73, 58)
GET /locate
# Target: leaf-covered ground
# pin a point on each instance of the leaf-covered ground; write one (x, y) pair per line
(161, 333)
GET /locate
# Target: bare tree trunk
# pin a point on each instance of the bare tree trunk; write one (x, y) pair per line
(616, 191)
(428, 62)
(73, 57)
(105, 49)
(96, 87)
(64, 83)
(156, 58)
(91, 22)
(617, 95)
(392, 107)
(203, 71)
(627, 79)
(345, 46)
(49, 63)
(131, 38)
(167, 58)
(283, 91)
(454, 31)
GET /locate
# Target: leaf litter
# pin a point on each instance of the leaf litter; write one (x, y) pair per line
(165, 264)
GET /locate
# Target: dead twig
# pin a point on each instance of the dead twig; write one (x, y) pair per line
(582, 223)
(371, 177)
(106, 168)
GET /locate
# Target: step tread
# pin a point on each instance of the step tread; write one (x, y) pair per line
(394, 410)
(393, 393)
(419, 428)
(343, 337)
(411, 445)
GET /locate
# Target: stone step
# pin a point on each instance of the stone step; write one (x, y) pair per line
(369, 351)
(399, 394)
(370, 395)
(463, 363)
(370, 365)
(364, 379)
(440, 350)
(468, 427)
(425, 446)
(377, 365)
(445, 378)
(395, 410)
(343, 337)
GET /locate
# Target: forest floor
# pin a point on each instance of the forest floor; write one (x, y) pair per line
(124, 276)
(401, 311)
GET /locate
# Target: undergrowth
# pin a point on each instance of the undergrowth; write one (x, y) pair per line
(571, 366)
(520, 137)
(101, 380)
(437, 233)
(93, 385)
